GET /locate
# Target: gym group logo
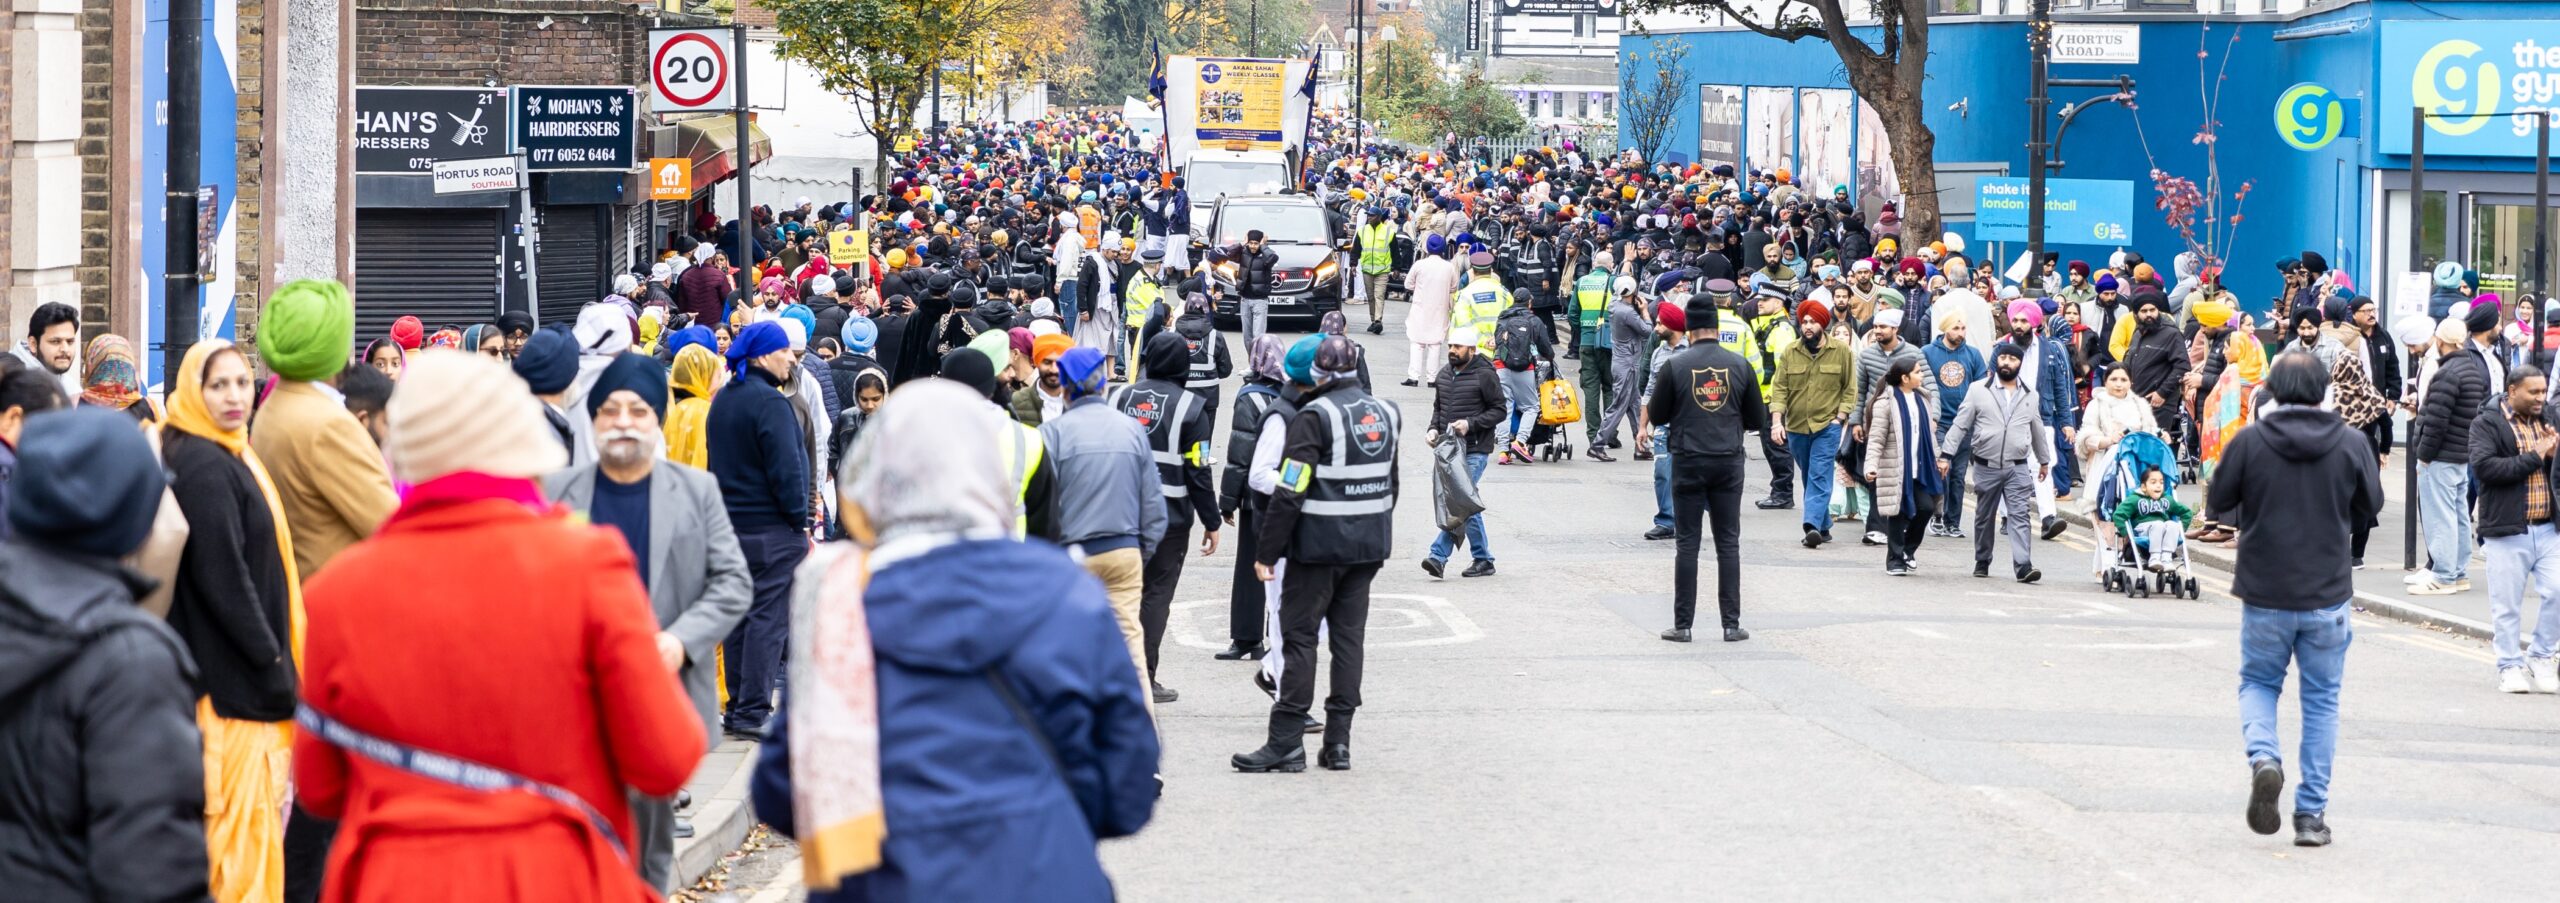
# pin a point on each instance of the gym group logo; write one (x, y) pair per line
(2462, 98)
(2309, 116)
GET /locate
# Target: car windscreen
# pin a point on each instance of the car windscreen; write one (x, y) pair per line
(1210, 180)
(1280, 223)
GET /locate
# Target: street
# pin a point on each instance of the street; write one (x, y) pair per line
(1527, 737)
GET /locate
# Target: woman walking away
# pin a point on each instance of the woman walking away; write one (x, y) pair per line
(580, 712)
(237, 603)
(963, 723)
(1902, 456)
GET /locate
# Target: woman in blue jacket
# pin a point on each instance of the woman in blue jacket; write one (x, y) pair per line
(964, 721)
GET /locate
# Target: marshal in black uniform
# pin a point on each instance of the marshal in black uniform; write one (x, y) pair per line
(1332, 518)
(1177, 428)
(1708, 396)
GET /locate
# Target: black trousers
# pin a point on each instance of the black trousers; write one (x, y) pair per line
(1162, 576)
(306, 854)
(1709, 489)
(752, 654)
(1244, 604)
(1337, 597)
(1903, 532)
(1782, 470)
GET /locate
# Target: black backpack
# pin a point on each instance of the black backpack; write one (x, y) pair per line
(1513, 344)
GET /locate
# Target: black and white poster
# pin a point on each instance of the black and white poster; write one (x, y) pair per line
(565, 128)
(1603, 8)
(404, 131)
(1720, 124)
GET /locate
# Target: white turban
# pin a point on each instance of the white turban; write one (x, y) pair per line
(797, 333)
(1889, 317)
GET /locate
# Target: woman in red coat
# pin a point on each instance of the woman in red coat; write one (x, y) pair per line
(481, 625)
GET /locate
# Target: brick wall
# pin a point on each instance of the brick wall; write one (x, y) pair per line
(7, 38)
(249, 75)
(754, 14)
(97, 76)
(439, 43)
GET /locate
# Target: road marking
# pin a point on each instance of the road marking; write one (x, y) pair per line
(1926, 633)
(1994, 612)
(2189, 643)
(1386, 618)
(2424, 641)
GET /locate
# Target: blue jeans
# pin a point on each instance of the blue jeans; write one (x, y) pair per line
(2269, 639)
(2063, 465)
(1662, 478)
(1441, 545)
(2533, 554)
(1813, 453)
(1951, 505)
(1067, 303)
(2443, 489)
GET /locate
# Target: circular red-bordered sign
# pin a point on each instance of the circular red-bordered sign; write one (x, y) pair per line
(710, 87)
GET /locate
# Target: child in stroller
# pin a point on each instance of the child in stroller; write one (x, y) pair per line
(2155, 522)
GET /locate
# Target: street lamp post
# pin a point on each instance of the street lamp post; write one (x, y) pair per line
(1359, 76)
(2039, 98)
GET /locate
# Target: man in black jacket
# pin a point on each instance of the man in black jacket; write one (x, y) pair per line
(1708, 398)
(1257, 270)
(1467, 404)
(2157, 360)
(1177, 428)
(2511, 453)
(98, 747)
(2298, 477)
(2461, 386)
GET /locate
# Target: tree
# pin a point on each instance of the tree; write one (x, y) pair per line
(1646, 113)
(1468, 108)
(883, 53)
(1888, 74)
(1401, 69)
(2206, 222)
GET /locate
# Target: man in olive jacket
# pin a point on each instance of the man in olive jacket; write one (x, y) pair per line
(1810, 400)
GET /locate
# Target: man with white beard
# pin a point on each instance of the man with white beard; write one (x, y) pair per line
(699, 586)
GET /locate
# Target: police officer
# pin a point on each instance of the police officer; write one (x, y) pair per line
(1137, 300)
(1331, 516)
(1377, 260)
(1178, 433)
(1707, 397)
(1479, 301)
(1771, 333)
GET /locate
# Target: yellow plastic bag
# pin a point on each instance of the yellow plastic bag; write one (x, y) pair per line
(1558, 403)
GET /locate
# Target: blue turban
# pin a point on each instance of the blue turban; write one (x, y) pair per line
(693, 335)
(1433, 244)
(860, 334)
(1082, 372)
(755, 341)
(800, 312)
(1300, 362)
(549, 360)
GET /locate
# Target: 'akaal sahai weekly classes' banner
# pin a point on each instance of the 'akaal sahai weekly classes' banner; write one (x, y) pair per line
(1236, 104)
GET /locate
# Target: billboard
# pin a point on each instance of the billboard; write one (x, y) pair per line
(1559, 7)
(1236, 104)
(1877, 182)
(2470, 75)
(2076, 211)
(1720, 124)
(1771, 115)
(1824, 117)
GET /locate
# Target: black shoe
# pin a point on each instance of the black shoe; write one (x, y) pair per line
(2054, 525)
(1615, 442)
(1573, 355)
(684, 800)
(1812, 537)
(1311, 726)
(1775, 503)
(1482, 568)
(1335, 757)
(1165, 694)
(1262, 679)
(751, 736)
(1239, 652)
(1981, 569)
(1596, 454)
(2310, 830)
(1676, 634)
(684, 829)
(1660, 533)
(2030, 575)
(1377, 328)
(1431, 566)
(1897, 569)
(1410, 384)
(2266, 782)
(1736, 634)
(1271, 759)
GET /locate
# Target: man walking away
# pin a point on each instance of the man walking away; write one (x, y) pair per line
(2511, 452)
(1522, 346)
(2300, 478)
(1628, 332)
(2454, 396)
(1377, 261)
(1177, 428)
(1708, 398)
(2000, 425)
(1110, 509)
(761, 460)
(1590, 305)
(1467, 406)
(1332, 517)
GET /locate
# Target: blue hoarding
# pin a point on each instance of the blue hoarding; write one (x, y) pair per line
(2472, 77)
(2076, 211)
(218, 166)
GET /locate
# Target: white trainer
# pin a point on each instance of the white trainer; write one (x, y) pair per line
(2546, 674)
(2512, 680)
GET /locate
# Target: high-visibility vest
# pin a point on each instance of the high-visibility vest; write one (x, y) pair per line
(1020, 451)
(1477, 305)
(1377, 248)
(1142, 295)
(1591, 296)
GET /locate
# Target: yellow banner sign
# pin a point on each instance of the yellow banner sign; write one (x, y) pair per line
(1240, 101)
(848, 248)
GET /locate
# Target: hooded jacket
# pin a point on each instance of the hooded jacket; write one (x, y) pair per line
(2299, 478)
(976, 809)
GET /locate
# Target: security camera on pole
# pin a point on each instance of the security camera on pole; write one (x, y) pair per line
(690, 72)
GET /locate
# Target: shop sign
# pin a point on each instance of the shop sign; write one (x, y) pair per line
(2076, 211)
(2479, 81)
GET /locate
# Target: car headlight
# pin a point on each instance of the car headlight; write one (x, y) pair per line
(1226, 271)
(1325, 269)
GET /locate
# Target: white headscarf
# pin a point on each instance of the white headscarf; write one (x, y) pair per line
(927, 468)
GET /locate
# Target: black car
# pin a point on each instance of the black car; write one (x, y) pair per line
(1308, 281)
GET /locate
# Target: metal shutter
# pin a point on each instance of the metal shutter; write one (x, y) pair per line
(569, 260)
(441, 265)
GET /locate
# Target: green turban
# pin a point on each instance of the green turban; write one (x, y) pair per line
(307, 329)
(996, 345)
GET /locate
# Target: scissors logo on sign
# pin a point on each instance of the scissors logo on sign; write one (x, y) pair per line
(468, 131)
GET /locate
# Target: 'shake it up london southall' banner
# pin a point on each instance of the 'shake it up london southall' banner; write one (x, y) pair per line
(1236, 104)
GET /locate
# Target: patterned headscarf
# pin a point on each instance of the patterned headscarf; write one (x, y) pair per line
(112, 378)
(1265, 356)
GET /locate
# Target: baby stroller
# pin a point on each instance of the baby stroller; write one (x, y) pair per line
(2125, 568)
(1559, 408)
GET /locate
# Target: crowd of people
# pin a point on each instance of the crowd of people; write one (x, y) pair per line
(943, 492)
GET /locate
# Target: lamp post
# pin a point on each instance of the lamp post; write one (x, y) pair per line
(1359, 76)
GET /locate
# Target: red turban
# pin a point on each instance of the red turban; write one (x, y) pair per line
(1671, 317)
(1810, 309)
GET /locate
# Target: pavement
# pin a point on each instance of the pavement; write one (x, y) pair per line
(1526, 736)
(721, 813)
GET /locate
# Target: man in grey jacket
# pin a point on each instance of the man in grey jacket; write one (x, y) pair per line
(699, 587)
(1110, 502)
(1628, 333)
(1999, 419)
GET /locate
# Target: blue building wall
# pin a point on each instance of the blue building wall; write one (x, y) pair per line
(2299, 200)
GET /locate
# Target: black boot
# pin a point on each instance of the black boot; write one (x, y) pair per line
(1238, 651)
(1271, 758)
(1336, 757)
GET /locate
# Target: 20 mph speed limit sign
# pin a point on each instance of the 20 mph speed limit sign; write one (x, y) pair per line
(690, 70)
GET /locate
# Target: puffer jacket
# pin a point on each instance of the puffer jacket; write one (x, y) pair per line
(2454, 397)
(1260, 273)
